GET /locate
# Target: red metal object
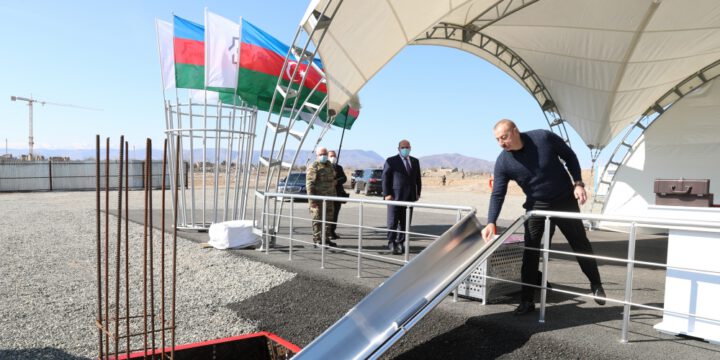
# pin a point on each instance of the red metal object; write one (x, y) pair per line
(261, 345)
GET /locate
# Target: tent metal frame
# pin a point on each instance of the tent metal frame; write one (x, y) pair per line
(621, 153)
(280, 128)
(468, 34)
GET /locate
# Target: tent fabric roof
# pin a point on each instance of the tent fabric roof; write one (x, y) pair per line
(603, 62)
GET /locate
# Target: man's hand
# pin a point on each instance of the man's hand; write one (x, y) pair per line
(488, 231)
(389, 197)
(580, 194)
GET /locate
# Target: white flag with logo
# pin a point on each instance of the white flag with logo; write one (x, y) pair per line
(203, 97)
(165, 48)
(222, 52)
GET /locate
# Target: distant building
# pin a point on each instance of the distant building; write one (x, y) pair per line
(6, 157)
(60, 158)
(28, 157)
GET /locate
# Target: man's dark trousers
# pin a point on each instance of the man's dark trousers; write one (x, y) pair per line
(574, 232)
(396, 221)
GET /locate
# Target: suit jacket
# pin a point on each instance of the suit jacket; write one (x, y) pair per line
(340, 178)
(397, 182)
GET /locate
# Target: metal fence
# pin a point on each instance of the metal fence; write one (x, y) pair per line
(699, 228)
(74, 175)
(269, 237)
(693, 314)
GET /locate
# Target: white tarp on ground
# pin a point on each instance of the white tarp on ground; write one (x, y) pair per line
(603, 62)
(232, 234)
(683, 142)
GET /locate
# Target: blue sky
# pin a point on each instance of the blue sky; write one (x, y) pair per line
(104, 55)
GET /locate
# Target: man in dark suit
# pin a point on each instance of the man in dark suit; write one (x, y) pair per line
(400, 182)
(340, 180)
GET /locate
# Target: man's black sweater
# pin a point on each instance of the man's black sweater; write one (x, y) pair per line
(537, 169)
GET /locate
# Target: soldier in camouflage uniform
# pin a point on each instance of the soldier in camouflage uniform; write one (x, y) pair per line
(320, 180)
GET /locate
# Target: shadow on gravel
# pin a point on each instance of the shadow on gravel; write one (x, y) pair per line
(39, 353)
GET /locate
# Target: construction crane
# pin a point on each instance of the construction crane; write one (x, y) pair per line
(30, 101)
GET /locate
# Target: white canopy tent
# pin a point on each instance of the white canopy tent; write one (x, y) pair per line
(604, 67)
(601, 64)
(683, 142)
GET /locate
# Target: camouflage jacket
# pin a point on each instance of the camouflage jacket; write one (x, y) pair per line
(320, 179)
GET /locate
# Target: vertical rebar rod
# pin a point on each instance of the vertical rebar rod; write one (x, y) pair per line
(107, 243)
(99, 241)
(119, 245)
(162, 251)
(150, 241)
(628, 283)
(174, 266)
(127, 251)
(145, 249)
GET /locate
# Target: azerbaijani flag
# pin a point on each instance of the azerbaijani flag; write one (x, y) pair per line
(261, 60)
(189, 46)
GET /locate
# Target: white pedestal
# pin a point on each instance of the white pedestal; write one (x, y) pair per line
(691, 292)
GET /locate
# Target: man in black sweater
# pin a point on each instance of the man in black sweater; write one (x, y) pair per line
(532, 159)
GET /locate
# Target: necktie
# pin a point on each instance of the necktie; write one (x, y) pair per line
(407, 165)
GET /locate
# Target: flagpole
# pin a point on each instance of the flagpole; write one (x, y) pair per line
(342, 136)
(166, 104)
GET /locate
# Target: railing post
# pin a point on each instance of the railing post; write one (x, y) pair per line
(360, 225)
(322, 236)
(546, 259)
(407, 232)
(290, 237)
(628, 283)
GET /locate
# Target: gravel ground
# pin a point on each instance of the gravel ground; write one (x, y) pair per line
(48, 280)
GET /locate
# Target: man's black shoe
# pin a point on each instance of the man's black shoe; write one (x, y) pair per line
(598, 292)
(399, 249)
(524, 308)
(334, 236)
(391, 247)
(331, 243)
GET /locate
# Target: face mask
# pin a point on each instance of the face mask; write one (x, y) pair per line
(323, 158)
(333, 160)
(404, 152)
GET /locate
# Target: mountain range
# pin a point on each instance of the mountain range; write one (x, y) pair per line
(350, 158)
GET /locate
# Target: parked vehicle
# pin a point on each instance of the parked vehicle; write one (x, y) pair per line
(295, 184)
(353, 178)
(370, 182)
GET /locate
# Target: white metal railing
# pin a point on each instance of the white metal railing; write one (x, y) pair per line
(268, 237)
(633, 223)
